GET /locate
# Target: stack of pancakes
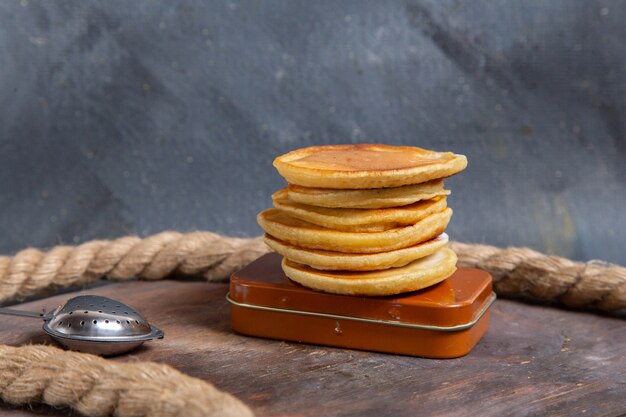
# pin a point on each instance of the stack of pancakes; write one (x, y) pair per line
(363, 219)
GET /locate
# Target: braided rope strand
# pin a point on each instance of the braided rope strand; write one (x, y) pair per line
(33, 272)
(523, 272)
(517, 271)
(92, 385)
(98, 387)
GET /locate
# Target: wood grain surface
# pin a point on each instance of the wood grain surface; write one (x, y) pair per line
(534, 360)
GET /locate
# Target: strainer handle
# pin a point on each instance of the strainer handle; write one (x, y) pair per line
(23, 313)
(156, 332)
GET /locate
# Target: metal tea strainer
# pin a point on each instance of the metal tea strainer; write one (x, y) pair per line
(94, 324)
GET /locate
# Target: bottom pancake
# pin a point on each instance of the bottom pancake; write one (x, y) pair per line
(328, 260)
(418, 274)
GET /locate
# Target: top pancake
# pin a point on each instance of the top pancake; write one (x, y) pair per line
(364, 166)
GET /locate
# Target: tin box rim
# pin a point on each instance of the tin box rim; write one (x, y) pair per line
(492, 297)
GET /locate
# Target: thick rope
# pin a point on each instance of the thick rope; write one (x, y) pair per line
(33, 272)
(525, 273)
(517, 272)
(98, 387)
(94, 386)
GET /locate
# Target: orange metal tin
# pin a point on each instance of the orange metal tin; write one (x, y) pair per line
(442, 321)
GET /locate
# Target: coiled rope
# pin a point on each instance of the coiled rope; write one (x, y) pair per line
(97, 387)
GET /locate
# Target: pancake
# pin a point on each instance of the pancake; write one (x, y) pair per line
(308, 235)
(366, 166)
(327, 260)
(416, 275)
(363, 199)
(359, 220)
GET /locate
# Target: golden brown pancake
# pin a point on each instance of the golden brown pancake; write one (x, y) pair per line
(308, 235)
(326, 260)
(366, 166)
(363, 199)
(416, 275)
(359, 220)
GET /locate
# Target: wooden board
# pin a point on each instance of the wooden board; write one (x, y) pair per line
(534, 360)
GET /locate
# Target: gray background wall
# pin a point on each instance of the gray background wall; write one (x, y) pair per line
(134, 117)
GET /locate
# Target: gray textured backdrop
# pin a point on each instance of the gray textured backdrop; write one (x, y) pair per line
(134, 117)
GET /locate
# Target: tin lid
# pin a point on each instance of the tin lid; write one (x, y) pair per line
(458, 300)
